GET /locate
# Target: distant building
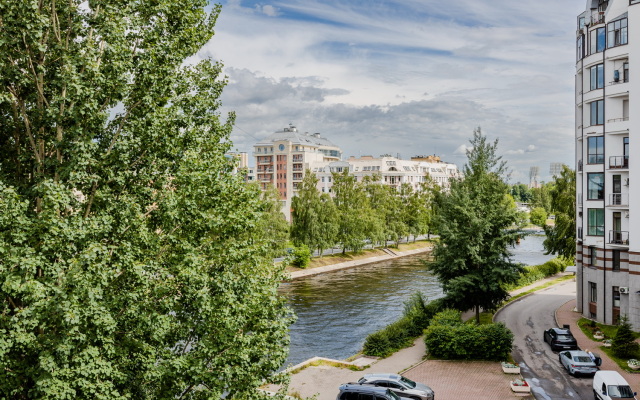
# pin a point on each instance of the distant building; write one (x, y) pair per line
(608, 206)
(392, 171)
(534, 177)
(555, 169)
(284, 156)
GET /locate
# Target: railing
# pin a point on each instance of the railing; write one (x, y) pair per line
(619, 162)
(619, 199)
(297, 169)
(297, 177)
(619, 237)
(617, 120)
(296, 159)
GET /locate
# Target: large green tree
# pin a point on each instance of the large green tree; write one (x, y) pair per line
(314, 218)
(357, 221)
(475, 220)
(561, 236)
(133, 263)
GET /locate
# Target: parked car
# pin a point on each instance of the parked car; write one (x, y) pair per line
(560, 339)
(358, 391)
(610, 385)
(579, 362)
(402, 386)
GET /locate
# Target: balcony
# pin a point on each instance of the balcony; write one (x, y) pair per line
(618, 200)
(619, 237)
(619, 162)
(297, 159)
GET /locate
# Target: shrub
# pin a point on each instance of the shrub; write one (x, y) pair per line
(416, 317)
(449, 339)
(624, 344)
(538, 216)
(300, 256)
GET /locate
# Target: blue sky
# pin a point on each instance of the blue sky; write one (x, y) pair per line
(411, 77)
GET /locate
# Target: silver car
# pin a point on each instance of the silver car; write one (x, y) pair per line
(579, 362)
(403, 387)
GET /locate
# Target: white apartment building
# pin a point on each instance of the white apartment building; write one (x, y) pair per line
(608, 204)
(283, 157)
(392, 171)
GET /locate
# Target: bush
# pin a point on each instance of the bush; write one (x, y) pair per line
(624, 344)
(538, 216)
(447, 339)
(300, 256)
(400, 334)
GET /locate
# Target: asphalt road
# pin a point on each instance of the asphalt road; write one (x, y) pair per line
(528, 318)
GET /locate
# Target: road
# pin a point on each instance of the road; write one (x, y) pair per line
(528, 318)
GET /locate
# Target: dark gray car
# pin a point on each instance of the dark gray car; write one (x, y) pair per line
(402, 386)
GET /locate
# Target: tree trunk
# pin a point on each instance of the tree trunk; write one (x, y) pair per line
(478, 314)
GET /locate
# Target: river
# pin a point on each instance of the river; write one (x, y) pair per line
(338, 310)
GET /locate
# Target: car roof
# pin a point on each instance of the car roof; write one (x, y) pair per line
(364, 388)
(577, 353)
(382, 376)
(612, 378)
(561, 331)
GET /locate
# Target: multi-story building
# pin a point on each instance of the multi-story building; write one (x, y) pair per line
(608, 205)
(392, 171)
(283, 157)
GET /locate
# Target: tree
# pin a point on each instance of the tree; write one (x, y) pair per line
(475, 221)
(314, 221)
(561, 237)
(624, 344)
(133, 263)
(521, 193)
(355, 216)
(538, 216)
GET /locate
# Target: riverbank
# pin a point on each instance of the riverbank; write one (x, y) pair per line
(338, 262)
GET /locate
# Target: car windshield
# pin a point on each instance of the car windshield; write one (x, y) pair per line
(620, 392)
(408, 382)
(565, 338)
(393, 395)
(582, 359)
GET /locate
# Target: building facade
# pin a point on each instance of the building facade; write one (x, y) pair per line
(283, 157)
(391, 170)
(608, 204)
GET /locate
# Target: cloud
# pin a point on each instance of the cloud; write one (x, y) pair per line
(404, 76)
(462, 149)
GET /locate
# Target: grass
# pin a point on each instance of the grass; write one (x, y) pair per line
(351, 256)
(539, 287)
(622, 362)
(336, 364)
(588, 327)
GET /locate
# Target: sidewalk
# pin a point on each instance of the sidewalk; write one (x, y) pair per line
(566, 316)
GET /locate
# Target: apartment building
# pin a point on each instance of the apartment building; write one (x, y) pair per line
(391, 170)
(283, 157)
(608, 196)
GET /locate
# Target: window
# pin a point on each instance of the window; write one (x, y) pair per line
(593, 292)
(597, 112)
(615, 260)
(597, 40)
(580, 48)
(593, 256)
(625, 72)
(617, 184)
(595, 222)
(597, 77)
(595, 186)
(595, 150)
(617, 33)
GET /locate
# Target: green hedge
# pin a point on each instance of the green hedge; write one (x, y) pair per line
(400, 334)
(536, 272)
(450, 339)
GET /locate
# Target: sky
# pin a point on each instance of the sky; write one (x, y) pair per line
(406, 77)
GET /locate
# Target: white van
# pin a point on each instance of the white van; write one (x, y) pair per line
(610, 385)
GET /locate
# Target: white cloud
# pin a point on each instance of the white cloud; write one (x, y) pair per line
(404, 77)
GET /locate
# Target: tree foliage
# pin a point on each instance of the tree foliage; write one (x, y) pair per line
(538, 216)
(314, 217)
(561, 237)
(476, 221)
(133, 263)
